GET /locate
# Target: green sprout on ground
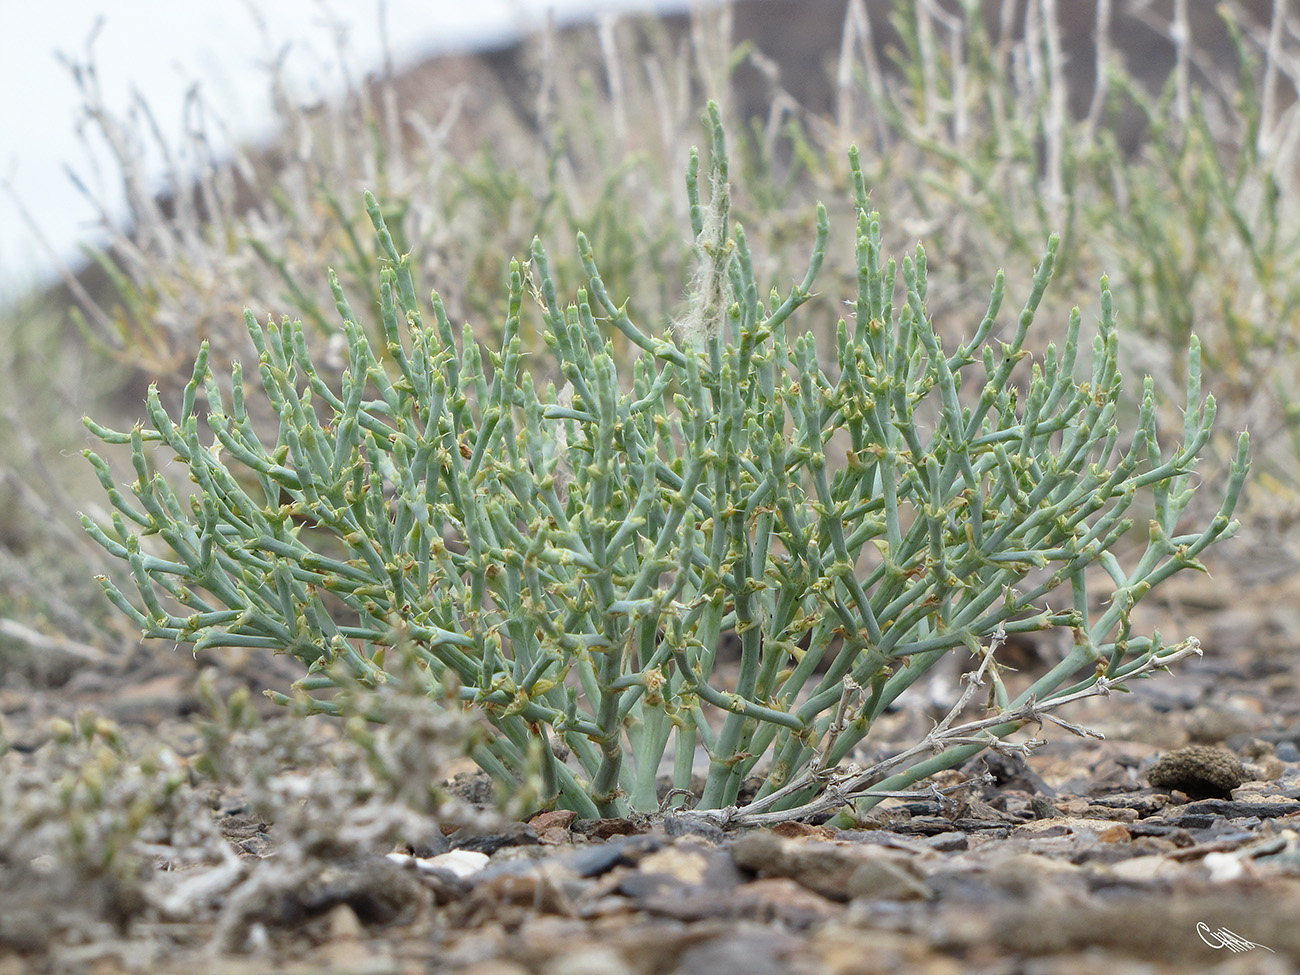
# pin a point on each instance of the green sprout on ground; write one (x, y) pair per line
(566, 562)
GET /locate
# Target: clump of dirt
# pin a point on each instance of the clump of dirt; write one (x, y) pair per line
(1200, 771)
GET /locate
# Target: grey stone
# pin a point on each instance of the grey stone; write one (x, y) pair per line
(753, 950)
(684, 824)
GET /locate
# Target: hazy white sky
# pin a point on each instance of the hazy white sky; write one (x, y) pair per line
(160, 48)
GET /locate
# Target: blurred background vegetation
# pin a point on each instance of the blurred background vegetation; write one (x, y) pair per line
(1160, 140)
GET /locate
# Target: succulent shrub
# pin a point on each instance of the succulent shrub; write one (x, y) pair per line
(567, 561)
(1193, 219)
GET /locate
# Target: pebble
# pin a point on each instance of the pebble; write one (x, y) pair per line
(588, 960)
(766, 952)
(494, 967)
(947, 842)
(684, 824)
(1236, 809)
(781, 899)
(1064, 826)
(555, 818)
(1210, 724)
(882, 878)
(691, 866)
(458, 863)
(597, 859)
(833, 870)
(603, 829)
(520, 834)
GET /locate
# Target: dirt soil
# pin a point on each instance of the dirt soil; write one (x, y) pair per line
(1071, 861)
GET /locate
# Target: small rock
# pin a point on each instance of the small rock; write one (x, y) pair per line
(832, 870)
(1210, 724)
(344, 925)
(882, 878)
(458, 863)
(1224, 867)
(518, 834)
(1116, 834)
(1043, 808)
(930, 825)
(588, 960)
(683, 865)
(536, 891)
(1144, 803)
(1237, 809)
(781, 899)
(601, 858)
(1065, 826)
(494, 966)
(1142, 869)
(1268, 768)
(947, 842)
(555, 818)
(345, 951)
(1255, 749)
(793, 830)
(1198, 770)
(763, 951)
(685, 824)
(595, 861)
(603, 829)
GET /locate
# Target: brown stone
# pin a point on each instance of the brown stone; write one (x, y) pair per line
(554, 819)
(684, 866)
(603, 829)
(587, 959)
(494, 967)
(792, 830)
(887, 878)
(834, 870)
(782, 899)
(533, 890)
(1116, 834)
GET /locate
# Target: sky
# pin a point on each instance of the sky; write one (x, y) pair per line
(159, 49)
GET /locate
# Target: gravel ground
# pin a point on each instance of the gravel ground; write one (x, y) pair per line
(1173, 845)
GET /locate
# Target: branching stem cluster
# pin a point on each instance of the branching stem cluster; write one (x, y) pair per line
(569, 563)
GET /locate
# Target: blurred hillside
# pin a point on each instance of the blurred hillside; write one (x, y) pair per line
(789, 60)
